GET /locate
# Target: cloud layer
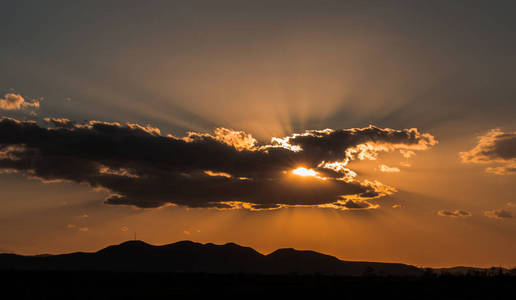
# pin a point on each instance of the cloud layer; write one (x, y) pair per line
(226, 169)
(494, 147)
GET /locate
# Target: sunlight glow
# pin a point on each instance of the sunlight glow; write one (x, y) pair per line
(304, 172)
(219, 174)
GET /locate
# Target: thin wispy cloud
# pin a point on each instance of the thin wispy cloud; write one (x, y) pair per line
(498, 214)
(387, 169)
(459, 213)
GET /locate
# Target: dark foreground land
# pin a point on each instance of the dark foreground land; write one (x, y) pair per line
(135, 285)
(189, 270)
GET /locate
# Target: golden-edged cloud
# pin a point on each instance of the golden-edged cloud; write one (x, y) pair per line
(495, 146)
(12, 101)
(226, 170)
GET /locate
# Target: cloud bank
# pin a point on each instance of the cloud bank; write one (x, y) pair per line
(494, 147)
(226, 169)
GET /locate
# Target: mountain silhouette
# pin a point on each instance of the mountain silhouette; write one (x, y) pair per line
(192, 257)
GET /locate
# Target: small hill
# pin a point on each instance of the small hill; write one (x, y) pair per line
(191, 257)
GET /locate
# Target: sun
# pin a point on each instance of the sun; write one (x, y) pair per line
(304, 172)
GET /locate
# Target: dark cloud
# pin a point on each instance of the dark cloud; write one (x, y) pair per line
(494, 147)
(454, 213)
(498, 214)
(227, 169)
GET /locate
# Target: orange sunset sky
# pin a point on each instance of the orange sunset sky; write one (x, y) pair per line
(368, 130)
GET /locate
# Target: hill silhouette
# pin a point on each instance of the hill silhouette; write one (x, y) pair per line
(192, 257)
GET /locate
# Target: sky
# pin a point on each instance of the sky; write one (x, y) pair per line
(368, 130)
